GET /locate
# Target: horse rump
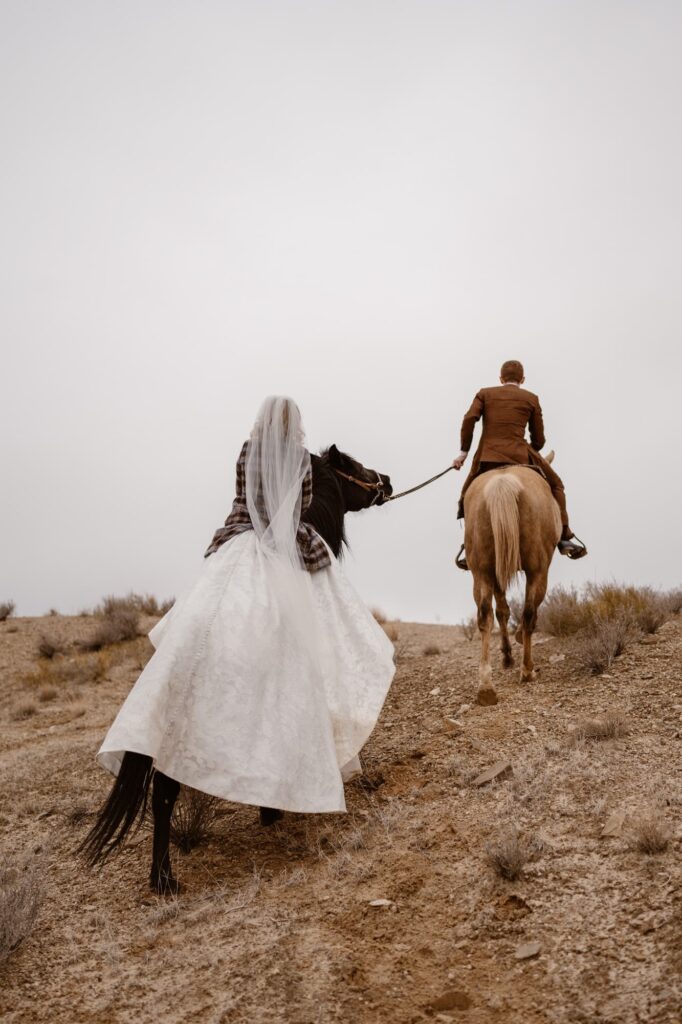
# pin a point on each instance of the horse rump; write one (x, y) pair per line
(125, 806)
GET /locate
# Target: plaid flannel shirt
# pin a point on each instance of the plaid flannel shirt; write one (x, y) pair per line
(313, 550)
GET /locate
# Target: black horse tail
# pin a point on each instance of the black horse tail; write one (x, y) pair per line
(126, 805)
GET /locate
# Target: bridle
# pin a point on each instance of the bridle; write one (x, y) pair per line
(376, 486)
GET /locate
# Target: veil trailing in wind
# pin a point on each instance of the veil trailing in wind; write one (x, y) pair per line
(276, 465)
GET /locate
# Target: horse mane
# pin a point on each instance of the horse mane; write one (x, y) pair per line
(326, 510)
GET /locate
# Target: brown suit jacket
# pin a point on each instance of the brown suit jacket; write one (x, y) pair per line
(506, 410)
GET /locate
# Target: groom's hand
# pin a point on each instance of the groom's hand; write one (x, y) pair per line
(460, 460)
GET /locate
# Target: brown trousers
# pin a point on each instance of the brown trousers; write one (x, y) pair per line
(553, 479)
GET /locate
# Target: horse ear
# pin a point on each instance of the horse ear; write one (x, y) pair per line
(334, 456)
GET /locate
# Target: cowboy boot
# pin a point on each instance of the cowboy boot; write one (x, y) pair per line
(567, 545)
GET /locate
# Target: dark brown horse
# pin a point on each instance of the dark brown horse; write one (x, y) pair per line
(513, 525)
(340, 485)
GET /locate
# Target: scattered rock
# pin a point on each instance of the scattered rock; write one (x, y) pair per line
(515, 902)
(613, 825)
(532, 729)
(464, 708)
(527, 950)
(500, 770)
(381, 903)
(452, 725)
(554, 658)
(453, 999)
(434, 692)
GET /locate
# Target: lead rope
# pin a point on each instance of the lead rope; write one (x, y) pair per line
(411, 490)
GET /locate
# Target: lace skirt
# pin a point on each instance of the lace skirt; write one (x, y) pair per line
(231, 704)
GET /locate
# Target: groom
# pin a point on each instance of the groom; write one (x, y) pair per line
(506, 411)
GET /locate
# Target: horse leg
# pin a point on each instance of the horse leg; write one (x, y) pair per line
(536, 587)
(164, 795)
(270, 815)
(483, 594)
(502, 616)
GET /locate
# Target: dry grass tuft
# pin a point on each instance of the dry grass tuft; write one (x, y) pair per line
(143, 604)
(567, 611)
(79, 814)
(469, 627)
(25, 709)
(612, 726)
(673, 600)
(6, 610)
(49, 646)
(114, 627)
(508, 856)
(597, 647)
(379, 616)
(391, 632)
(69, 671)
(431, 649)
(649, 834)
(20, 899)
(119, 618)
(193, 819)
(47, 693)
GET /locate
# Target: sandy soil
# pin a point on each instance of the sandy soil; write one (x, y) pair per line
(277, 925)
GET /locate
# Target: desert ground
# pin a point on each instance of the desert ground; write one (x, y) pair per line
(283, 924)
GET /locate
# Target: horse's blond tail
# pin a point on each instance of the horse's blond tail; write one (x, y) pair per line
(501, 495)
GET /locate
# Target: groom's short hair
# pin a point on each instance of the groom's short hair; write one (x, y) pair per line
(512, 370)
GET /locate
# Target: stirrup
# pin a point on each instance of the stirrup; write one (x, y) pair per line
(461, 560)
(571, 550)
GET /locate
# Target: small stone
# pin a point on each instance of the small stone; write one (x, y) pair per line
(613, 825)
(527, 950)
(381, 903)
(434, 692)
(554, 658)
(452, 725)
(453, 999)
(464, 708)
(500, 770)
(532, 729)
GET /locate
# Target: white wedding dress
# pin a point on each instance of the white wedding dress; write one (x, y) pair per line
(232, 705)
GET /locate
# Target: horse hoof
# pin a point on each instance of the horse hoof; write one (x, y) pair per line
(270, 815)
(486, 696)
(529, 677)
(164, 885)
(508, 662)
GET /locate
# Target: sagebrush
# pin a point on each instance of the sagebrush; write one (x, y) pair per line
(193, 818)
(6, 609)
(508, 855)
(20, 899)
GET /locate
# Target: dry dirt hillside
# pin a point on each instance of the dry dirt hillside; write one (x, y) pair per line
(281, 924)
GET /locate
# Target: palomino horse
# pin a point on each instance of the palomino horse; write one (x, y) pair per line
(513, 525)
(340, 485)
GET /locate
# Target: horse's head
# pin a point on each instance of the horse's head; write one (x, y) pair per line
(361, 487)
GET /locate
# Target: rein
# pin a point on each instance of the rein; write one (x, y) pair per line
(418, 487)
(378, 486)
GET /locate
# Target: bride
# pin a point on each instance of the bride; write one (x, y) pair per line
(270, 673)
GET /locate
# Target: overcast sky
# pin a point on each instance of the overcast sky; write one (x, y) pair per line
(366, 205)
